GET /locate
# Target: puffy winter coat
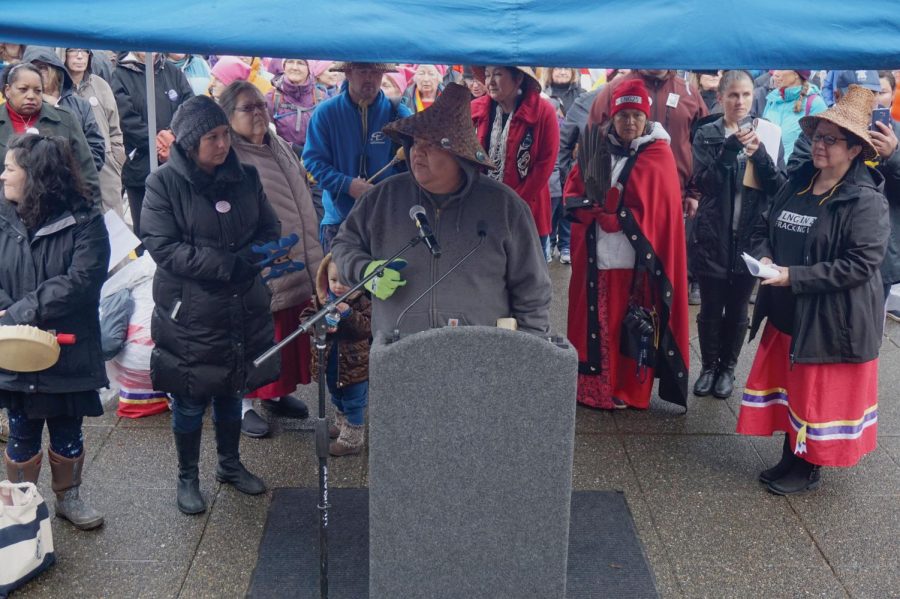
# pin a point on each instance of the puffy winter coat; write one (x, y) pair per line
(211, 318)
(52, 280)
(171, 91)
(352, 336)
(715, 248)
(284, 181)
(839, 309)
(531, 150)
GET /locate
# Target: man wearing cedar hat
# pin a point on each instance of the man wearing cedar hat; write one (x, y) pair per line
(628, 314)
(507, 277)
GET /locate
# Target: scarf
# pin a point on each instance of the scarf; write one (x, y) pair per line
(499, 137)
(20, 123)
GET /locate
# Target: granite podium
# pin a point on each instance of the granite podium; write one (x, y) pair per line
(470, 464)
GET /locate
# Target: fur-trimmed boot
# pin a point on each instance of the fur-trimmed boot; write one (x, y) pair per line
(231, 470)
(66, 483)
(334, 429)
(23, 472)
(350, 441)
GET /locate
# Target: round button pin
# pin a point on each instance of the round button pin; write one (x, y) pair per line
(33, 131)
(173, 95)
(93, 101)
(223, 207)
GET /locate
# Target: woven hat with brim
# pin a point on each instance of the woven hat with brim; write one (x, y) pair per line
(531, 80)
(853, 113)
(447, 124)
(384, 67)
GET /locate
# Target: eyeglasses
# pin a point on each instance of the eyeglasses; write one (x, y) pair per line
(260, 106)
(76, 51)
(828, 140)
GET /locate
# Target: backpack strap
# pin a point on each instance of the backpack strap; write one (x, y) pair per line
(809, 102)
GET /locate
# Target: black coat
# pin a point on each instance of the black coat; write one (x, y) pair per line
(53, 282)
(206, 346)
(890, 169)
(839, 307)
(130, 88)
(714, 251)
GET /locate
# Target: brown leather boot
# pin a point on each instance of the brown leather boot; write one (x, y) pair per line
(340, 421)
(66, 482)
(23, 472)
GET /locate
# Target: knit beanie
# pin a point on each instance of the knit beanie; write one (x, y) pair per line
(632, 95)
(804, 74)
(194, 119)
(229, 69)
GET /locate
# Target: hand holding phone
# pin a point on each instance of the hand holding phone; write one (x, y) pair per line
(880, 115)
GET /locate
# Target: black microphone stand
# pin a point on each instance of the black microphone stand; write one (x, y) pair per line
(318, 320)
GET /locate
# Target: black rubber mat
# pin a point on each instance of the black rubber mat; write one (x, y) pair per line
(606, 558)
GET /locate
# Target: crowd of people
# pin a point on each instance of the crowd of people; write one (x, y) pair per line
(285, 180)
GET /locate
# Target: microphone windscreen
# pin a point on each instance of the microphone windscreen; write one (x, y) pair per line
(417, 209)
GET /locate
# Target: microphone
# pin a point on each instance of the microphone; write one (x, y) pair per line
(481, 227)
(417, 213)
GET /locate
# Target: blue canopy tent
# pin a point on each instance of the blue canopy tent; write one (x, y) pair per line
(649, 34)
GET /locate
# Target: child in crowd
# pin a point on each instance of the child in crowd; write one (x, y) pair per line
(347, 358)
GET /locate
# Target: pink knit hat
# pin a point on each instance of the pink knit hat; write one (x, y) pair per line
(317, 67)
(399, 80)
(230, 69)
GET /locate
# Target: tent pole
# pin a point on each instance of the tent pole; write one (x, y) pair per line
(150, 80)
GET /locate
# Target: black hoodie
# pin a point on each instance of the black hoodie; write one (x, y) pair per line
(69, 100)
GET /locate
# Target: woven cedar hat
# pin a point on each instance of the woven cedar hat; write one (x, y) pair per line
(384, 67)
(853, 113)
(447, 124)
(531, 79)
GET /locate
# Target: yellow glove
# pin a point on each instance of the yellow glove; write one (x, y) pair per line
(384, 285)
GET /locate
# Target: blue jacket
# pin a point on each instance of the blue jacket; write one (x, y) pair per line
(334, 146)
(781, 112)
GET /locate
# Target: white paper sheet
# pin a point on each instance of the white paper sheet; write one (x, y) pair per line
(121, 240)
(770, 136)
(757, 268)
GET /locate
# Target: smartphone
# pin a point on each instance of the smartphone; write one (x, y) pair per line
(882, 115)
(746, 124)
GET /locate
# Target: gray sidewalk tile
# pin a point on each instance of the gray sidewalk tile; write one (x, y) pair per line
(752, 545)
(600, 463)
(657, 554)
(146, 458)
(858, 535)
(705, 415)
(225, 558)
(589, 420)
(891, 446)
(141, 524)
(76, 578)
(692, 464)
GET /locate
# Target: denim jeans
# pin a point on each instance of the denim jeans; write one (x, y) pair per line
(25, 433)
(187, 412)
(561, 229)
(351, 400)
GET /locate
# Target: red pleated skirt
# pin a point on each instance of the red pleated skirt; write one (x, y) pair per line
(829, 411)
(295, 357)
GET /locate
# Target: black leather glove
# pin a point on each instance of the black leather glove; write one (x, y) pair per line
(731, 148)
(243, 271)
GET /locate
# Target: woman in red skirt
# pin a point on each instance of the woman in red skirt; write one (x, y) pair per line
(292, 286)
(815, 375)
(628, 250)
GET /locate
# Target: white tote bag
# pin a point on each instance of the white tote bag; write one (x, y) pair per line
(26, 541)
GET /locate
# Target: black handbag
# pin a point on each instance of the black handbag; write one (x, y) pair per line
(639, 336)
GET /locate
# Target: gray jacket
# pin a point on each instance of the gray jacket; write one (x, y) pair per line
(506, 277)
